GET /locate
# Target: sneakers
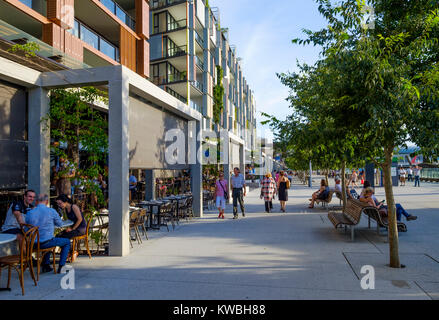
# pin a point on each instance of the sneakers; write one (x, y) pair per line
(412, 218)
(243, 214)
(235, 217)
(46, 268)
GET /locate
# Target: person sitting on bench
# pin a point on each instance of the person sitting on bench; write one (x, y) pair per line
(321, 194)
(369, 197)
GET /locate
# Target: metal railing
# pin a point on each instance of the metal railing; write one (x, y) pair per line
(199, 62)
(120, 13)
(199, 39)
(176, 52)
(158, 4)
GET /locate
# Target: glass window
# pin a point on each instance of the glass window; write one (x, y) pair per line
(108, 49)
(90, 37)
(121, 15)
(110, 5)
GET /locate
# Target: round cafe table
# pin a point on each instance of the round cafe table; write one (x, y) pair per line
(5, 238)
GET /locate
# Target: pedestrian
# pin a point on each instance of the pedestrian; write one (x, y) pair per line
(410, 174)
(353, 179)
(239, 192)
(267, 191)
(222, 194)
(416, 173)
(402, 174)
(283, 184)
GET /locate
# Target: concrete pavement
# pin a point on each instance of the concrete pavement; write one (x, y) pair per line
(293, 255)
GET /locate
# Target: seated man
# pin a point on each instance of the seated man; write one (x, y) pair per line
(321, 194)
(338, 185)
(46, 219)
(15, 217)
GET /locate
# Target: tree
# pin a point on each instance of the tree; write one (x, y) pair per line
(76, 126)
(383, 93)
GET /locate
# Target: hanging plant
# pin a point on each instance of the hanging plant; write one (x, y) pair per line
(218, 95)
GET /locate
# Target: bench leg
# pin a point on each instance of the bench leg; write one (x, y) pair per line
(352, 233)
(368, 218)
(378, 228)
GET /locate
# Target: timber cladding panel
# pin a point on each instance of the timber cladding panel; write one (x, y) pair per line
(127, 49)
(61, 12)
(64, 41)
(142, 18)
(143, 58)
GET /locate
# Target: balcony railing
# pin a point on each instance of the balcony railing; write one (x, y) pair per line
(120, 13)
(198, 85)
(174, 25)
(199, 39)
(195, 106)
(171, 78)
(176, 52)
(199, 62)
(158, 4)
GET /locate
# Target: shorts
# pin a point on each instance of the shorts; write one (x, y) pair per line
(221, 202)
(13, 231)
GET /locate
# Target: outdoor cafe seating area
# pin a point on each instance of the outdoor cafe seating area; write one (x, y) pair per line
(164, 213)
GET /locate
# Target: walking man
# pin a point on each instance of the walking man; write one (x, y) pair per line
(238, 184)
(410, 174)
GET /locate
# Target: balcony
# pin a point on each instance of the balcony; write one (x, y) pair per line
(38, 5)
(159, 4)
(96, 41)
(120, 13)
(195, 106)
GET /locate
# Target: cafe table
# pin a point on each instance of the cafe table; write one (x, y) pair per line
(6, 238)
(151, 204)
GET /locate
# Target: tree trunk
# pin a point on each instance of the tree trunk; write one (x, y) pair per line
(326, 176)
(391, 209)
(343, 183)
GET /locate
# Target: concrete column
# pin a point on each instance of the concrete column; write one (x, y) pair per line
(119, 168)
(150, 185)
(242, 159)
(39, 142)
(196, 168)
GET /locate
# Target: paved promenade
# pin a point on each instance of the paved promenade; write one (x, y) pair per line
(293, 255)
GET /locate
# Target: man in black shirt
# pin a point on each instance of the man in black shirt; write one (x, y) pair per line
(15, 215)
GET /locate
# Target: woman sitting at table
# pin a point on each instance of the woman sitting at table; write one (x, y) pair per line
(75, 215)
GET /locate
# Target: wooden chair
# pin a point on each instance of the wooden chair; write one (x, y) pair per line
(141, 221)
(76, 240)
(134, 222)
(23, 261)
(168, 212)
(40, 253)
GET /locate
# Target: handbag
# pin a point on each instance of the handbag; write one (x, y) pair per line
(226, 195)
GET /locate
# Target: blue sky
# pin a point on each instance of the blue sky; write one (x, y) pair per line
(262, 31)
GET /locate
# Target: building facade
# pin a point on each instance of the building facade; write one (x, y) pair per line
(107, 43)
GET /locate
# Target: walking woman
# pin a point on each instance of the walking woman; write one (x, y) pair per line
(282, 186)
(267, 191)
(222, 194)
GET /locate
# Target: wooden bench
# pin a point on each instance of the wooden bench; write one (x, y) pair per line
(350, 216)
(326, 201)
(382, 222)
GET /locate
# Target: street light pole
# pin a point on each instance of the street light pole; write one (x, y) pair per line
(310, 175)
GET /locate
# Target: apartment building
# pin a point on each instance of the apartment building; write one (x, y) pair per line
(81, 33)
(187, 44)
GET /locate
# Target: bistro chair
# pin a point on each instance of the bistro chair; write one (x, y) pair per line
(141, 221)
(76, 240)
(134, 222)
(40, 253)
(168, 212)
(22, 261)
